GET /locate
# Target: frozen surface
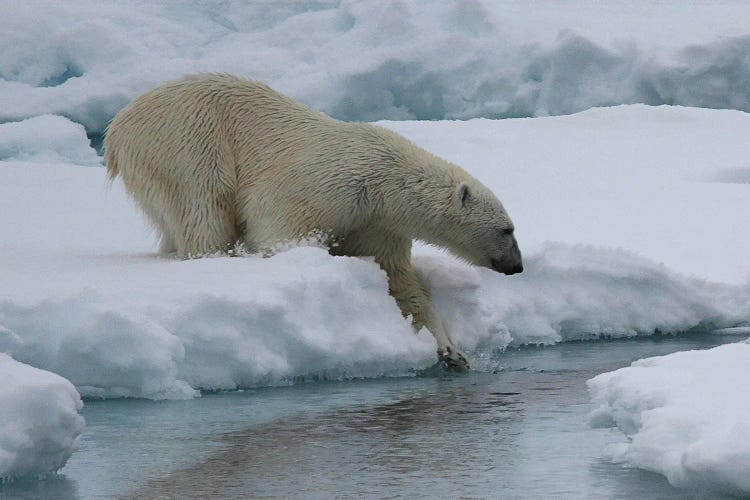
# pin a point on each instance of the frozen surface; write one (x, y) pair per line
(687, 416)
(86, 59)
(624, 229)
(40, 422)
(46, 138)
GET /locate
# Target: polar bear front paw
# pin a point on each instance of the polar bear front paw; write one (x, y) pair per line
(453, 360)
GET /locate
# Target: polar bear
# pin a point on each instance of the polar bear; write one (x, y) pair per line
(214, 160)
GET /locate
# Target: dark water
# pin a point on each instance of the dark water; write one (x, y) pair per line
(519, 433)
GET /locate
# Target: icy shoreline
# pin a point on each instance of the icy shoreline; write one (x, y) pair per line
(167, 344)
(39, 420)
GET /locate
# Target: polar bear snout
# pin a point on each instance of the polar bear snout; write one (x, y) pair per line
(515, 270)
(499, 267)
(511, 262)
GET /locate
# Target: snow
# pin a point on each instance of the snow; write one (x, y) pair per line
(46, 138)
(615, 211)
(687, 416)
(39, 420)
(86, 59)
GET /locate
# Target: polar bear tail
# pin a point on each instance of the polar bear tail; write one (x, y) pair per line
(113, 169)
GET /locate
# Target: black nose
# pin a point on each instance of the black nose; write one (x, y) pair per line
(514, 270)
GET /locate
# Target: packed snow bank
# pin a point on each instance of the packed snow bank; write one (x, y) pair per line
(86, 59)
(146, 327)
(687, 416)
(47, 138)
(577, 292)
(39, 420)
(606, 213)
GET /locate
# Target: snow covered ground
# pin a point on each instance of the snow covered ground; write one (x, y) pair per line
(85, 59)
(687, 416)
(624, 229)
(39, 420)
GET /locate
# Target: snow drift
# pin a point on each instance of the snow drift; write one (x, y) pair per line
(616, 222)
(398, 60)
(687, 416)
(47, 138)
(39, 420)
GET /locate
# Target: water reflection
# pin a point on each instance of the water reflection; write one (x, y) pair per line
(521, 433)
(372, 451)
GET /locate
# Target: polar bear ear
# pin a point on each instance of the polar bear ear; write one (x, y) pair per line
(463, 194)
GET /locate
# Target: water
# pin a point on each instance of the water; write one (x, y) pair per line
(520, 432)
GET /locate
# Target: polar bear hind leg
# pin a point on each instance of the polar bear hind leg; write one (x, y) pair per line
(191, 224)
(204, 226)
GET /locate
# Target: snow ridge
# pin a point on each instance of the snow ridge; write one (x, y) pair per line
(146, 339)
(46, 138)
(372, 60)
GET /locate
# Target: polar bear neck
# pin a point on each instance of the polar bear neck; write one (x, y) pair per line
(419, 187)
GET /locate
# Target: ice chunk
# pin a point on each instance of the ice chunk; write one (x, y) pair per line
(39, 420)
(687, 416)
(48, 139)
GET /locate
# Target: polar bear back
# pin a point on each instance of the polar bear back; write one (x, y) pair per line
(216, 146)
(216, 159)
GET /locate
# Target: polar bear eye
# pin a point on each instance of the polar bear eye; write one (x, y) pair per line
(508, 231)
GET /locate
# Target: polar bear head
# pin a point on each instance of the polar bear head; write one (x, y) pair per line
(476, 227)
(440, 203)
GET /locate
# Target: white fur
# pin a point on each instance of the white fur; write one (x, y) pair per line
(214, 160)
